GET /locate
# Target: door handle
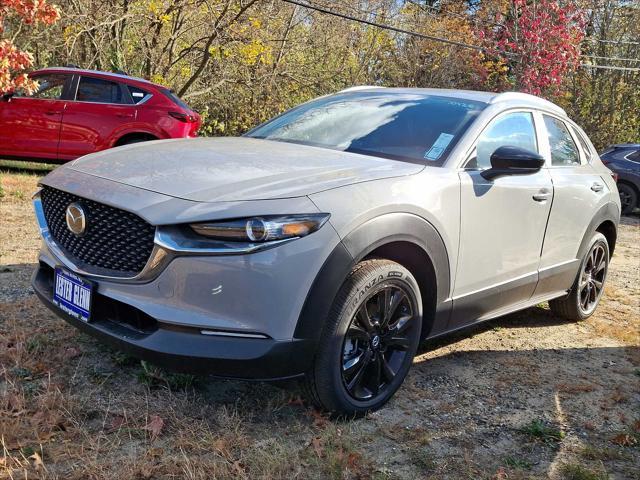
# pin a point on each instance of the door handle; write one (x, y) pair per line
(125, 115)
(597, 187)
(52, 112)
(543, 195)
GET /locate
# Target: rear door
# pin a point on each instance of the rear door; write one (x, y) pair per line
(100, 107)
(579, 192)
(30, 124)
(502, 224)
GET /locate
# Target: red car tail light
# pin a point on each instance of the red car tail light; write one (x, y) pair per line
(183, 117)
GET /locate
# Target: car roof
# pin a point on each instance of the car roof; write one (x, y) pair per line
(118, 76)
(508, 99)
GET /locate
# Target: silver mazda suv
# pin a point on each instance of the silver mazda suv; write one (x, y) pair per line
(328, 242)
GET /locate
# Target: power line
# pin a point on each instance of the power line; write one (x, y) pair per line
(610, 67)
(616, 59)
(614, 42)
(396, 29)
(445, 40)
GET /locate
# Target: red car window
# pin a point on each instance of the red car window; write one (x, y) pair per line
(49, 87)
(137, 94)
(99, 91)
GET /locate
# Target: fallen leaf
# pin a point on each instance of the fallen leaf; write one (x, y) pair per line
(154, 425)
(354, 459)
(14, 403)
(37, 461)
(72, 352)
(624, 440)
(116, 423)
(296, 401)
(316, 443)
(320, 420)
(501, 474)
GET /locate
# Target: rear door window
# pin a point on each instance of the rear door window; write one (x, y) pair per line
(564, 151)
(97, 90)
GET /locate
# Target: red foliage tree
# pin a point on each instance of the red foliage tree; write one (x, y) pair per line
(539, 40)
(14, 61)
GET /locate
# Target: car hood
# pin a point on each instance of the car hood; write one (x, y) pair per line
(236, 168)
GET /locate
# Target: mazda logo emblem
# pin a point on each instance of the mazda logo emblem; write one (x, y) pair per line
(76, 219)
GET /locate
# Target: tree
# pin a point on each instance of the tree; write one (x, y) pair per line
(539, 41)
(14, 61)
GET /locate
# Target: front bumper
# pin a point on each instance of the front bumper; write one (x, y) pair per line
(180, 348)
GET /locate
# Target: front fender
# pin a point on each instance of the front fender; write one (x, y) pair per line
(355, 246)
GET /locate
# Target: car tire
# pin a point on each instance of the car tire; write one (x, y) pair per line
(369, 340)
(587, 290)
(628, 198)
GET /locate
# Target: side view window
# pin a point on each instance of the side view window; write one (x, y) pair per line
(137, 94)
(514, 129)
(583, 144)
(49, 87)
(563, 149)
(100, 91)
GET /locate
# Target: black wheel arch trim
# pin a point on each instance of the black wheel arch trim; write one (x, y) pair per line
(608, 212)
(358, 244)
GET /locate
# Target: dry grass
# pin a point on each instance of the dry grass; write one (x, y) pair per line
(72, 409)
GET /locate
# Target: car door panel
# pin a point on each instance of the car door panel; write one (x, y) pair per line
(502, 224)
(100, 108)
(579, 191)
(30, 124)
(501, 235)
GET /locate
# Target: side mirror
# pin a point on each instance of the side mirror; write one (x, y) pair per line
(513, 161)
(7, 96)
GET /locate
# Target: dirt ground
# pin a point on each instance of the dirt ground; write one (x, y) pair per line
(525, 396)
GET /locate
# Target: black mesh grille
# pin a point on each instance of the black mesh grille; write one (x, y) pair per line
(114, 239)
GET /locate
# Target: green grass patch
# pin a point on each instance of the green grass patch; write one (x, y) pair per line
(156, 377)
(539, 430)
(517, 463)
(573, 471)
(20, 166)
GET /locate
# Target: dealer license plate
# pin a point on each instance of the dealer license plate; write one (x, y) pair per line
(72, 294)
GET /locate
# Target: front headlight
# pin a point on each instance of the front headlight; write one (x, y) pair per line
(262, 229)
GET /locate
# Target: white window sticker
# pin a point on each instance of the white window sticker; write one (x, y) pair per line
(438, 148)
(138, 94)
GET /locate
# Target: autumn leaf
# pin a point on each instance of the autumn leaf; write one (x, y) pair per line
(72, 352)
(624, 440)
(116, 423)
(38, 464)
(318, 447)
(154, 425)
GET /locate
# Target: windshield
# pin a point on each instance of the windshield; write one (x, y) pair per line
(403, 126)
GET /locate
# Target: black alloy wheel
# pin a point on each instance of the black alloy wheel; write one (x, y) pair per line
(594, 272)
(369, 340)
(376, 343)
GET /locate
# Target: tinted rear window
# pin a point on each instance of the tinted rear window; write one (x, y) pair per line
(403, 126)
(176, 99)
(100, 91)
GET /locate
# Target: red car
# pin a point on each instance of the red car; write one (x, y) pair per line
(75, 112)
